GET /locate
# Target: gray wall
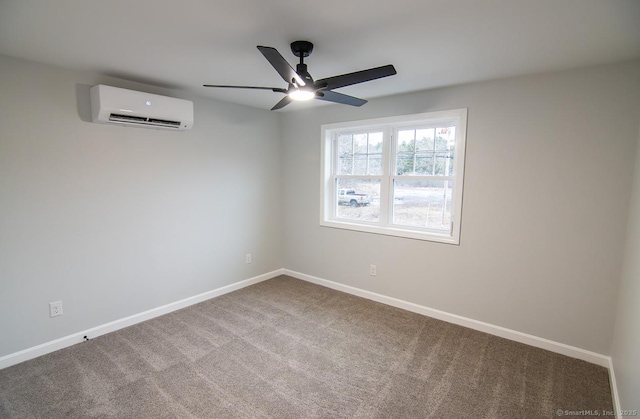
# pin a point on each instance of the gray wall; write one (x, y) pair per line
(114, 221)
(547, 183)
(626, 341)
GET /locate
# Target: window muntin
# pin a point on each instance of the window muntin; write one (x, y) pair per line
(359, 153)
(423, 152)
(405, 171)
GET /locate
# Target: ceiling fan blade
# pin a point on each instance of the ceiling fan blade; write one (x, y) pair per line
(281, 65)
(273, 89)
(284, 102)
(356, 77)
(336, 97)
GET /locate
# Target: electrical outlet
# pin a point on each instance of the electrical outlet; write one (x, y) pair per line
(247, 258)
(372, 270)
(55, 309)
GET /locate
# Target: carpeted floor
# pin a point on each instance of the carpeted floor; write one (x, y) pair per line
(285, 348)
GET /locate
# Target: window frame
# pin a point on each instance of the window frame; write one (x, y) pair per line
(389, 127)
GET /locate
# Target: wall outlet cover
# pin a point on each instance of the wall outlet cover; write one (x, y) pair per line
(55, 309)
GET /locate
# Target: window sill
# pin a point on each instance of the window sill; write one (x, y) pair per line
(431, 236)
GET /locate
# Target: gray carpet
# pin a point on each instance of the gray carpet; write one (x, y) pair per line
(285, 348)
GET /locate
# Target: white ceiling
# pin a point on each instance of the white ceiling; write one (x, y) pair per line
(184, 44)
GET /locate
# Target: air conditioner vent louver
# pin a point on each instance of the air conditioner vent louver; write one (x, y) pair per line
(128, 107)
(116, 117)
(124, 118)
(164, 122)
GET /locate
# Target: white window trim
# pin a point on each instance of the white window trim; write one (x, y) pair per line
(327, 198)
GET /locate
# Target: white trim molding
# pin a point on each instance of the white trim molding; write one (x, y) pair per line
(54, 345)
(614, 389)
(500, 331)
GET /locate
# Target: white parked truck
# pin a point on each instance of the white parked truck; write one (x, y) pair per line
(350, 197)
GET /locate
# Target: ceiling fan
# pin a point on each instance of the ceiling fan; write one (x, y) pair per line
(301, 84)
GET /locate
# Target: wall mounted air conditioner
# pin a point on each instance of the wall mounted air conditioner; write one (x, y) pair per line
(113, 105)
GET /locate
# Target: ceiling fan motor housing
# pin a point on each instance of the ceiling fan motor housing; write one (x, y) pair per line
(301, 48)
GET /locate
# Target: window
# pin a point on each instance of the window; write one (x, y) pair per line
(400, 176)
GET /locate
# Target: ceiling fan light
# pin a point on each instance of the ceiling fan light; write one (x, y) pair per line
(301, 95)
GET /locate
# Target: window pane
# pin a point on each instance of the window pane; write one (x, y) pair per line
(345, 165)
(451, 145)
(345, 154)
(445, 138)
(441, 143)
(359, 164)
(405, 137)
(424, 164)
(406, 143)
(424, 139)
(358, 199)
(404, 164)
(360, 143)
(441, 163)
(375, 142)
(375, 164)
(422, 203)
(345, 144)
(451, 139)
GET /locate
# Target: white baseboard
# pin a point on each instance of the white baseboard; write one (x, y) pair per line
(614, 389)
(54, 345)
(561, 348)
